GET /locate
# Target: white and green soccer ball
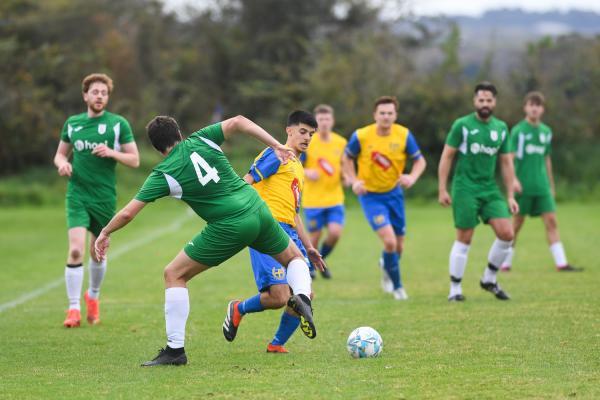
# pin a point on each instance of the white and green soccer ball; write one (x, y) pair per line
(364, 342)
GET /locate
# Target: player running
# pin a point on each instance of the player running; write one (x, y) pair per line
(98, 139)
(380, 151)
(280, 186)
(477, 139)
(531, 144)
(323, 197)
(196, 171)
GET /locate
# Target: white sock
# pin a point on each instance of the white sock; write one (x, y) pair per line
(177, 309)
(298, 277)
(498, 253)
(458, 262)
(507, 263)
(558, 252)
(73, 281)
(97, 271)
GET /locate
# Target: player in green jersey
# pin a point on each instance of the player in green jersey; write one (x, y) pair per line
(476, 140)
(531, 144)
(196, 171)
(98, 140)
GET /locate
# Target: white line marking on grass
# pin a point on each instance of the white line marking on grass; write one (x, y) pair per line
(113, 255)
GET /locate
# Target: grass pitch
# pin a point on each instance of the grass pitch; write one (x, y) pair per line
(544, 343)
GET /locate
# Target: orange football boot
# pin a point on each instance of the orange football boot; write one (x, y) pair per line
(73, 319)
(276, 348)
(93, 309)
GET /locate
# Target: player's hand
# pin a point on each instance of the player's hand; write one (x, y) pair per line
(513, 205)
(444, 198)
(311, 174)
(66, 169)
(283, 153)
(517, 188)
(101, 245)
(358, 187)
(406, 181)
(316, 259)
(103, 151)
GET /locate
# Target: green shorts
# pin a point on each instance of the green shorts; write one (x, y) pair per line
(221, 240)
(92, 216)
(468, 207)
(535, 205)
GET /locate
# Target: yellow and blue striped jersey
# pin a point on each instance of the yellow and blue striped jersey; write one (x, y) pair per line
(279, 185)
(325, 157)
(381, 159)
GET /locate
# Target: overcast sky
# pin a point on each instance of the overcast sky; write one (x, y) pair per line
(453, 7)
(476, 7)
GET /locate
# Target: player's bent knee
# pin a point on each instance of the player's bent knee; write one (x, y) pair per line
(75, 253)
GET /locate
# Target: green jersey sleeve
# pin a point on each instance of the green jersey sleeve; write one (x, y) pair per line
(505, 147)
(64, 134)
(126, 132)
(514, 139)
(213, 133)
(549, 145)
(455, 136)
(155, 187)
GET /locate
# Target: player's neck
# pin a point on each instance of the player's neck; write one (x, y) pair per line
(93, 114)
(532, 122)
(296, 151)
(381, 131)
(484, 120)
(325, 136)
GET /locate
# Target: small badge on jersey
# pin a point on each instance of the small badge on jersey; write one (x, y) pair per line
(542, 138)
(494, 135)
(102, 129)
(278, 273)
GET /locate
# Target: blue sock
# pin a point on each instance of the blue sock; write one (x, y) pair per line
(325, 250)
(391, 263)
(287, 326)
(251, 305)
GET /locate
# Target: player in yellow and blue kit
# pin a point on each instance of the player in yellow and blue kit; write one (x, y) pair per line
(280, 186)
(323, 196)
(381, 150)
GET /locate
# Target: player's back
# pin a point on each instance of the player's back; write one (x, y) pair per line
(197, 172)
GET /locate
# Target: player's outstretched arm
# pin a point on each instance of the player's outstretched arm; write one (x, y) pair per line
(241, 124)
(123, 217)
(61, 159)
(313, 254)
(446, 159)
(508, 175)
(128, 155)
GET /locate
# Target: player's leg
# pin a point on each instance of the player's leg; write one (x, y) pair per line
(177, 308)
(465, 208)
(397, 217)
(556, 247)
(334, 218)
(315, 221)
(289, 322)
(498, 252)
(74, 275)
(518, 221)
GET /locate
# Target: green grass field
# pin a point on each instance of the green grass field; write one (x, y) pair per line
(544, 343)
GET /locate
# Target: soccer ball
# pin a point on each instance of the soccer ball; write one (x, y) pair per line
(364, 342)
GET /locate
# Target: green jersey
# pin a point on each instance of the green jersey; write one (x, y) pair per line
(197, 172)
(531, 145)
(93, 178)
(478, 145)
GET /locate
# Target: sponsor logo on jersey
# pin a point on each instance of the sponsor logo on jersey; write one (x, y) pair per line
(533, 149)
(494, 135)
(381, 160)
(278, 273)
(296, 192)
(326, 166)
(81, 145)
(102, 129)
(477, 148)
(542, 138)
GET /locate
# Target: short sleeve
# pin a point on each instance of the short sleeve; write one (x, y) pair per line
(455, 137)
(213, 132)
(155, 187)
(126, 132)
(353, 146)
(412, 148)
(265, 166)
(64, 134)
(505, 147)
(549, 145)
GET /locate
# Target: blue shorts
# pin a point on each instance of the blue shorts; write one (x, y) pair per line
(317, 218)
(267, 271)
(383, 209)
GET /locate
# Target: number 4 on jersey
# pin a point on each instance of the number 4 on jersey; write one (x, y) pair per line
(200, 165)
